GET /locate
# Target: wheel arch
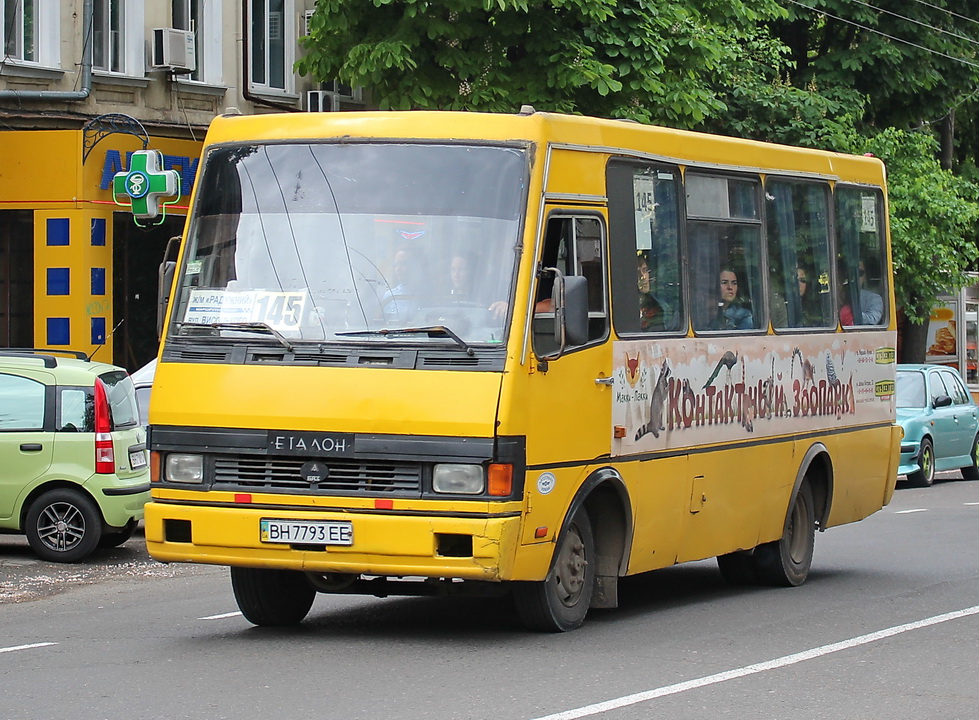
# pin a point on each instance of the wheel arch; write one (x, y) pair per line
(817, 467)
(605, 498)
(48, 485)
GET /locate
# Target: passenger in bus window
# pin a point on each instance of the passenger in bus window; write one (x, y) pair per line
(871, 304)
(401, 300)
(654, 314)
(731, 313)
(812, 316)
(843, 297)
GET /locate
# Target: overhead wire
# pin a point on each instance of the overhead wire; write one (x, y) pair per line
(883, 34)
(916, 22)
(946, 11)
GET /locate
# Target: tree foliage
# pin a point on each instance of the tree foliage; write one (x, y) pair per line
(844, 75)
(652, 62)
(933, 217)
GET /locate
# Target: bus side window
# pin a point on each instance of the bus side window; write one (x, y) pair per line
(798, 254)
(574, 245)
(859, 220)
(724, 233)
(644, 247)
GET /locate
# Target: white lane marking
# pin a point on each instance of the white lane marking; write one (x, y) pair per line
(222, 616)
(775, 664)
(906, 512)
(26, 647)
(970, 503)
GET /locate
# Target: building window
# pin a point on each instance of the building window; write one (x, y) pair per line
(117, 36)
(30, 32)
(19, 26)
(272, 44)
(203, 18)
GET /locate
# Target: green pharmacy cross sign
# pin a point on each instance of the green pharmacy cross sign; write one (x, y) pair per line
(144, 184)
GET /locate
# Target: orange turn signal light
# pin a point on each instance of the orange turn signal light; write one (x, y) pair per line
(154, 466)
(500, 479)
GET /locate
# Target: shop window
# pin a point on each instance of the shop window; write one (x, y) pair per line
(16, 278)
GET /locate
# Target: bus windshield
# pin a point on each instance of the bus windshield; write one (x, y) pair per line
(353, 242)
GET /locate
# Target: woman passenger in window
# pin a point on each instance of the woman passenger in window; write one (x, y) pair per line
(654, 314)
(731, 313)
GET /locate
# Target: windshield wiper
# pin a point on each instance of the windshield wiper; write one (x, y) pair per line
(258, 327)
(428, 330)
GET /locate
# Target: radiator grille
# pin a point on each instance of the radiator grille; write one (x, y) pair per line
(367, 477)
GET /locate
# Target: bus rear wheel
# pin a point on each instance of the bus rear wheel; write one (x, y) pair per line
(560, 602)
(786, 562)
(272, 598)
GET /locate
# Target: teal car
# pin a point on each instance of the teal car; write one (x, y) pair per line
(74, 474)
(941, 427)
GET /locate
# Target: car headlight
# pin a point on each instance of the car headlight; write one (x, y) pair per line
(184, 468)
(458, 479)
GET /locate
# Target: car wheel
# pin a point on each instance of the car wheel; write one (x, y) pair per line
(272, 598)
(786, 562)
(560, 602)
(971, 472)
(63, 525)
(924, 476)
(117, 538)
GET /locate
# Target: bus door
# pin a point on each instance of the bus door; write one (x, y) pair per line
(569, 403)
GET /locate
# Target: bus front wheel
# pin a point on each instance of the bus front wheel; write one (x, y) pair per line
(785, 562)
(272, 598)
(560, 602)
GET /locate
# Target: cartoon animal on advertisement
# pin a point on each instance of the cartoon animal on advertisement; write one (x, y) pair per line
(808, 371)
(657, 404)
(728, 361)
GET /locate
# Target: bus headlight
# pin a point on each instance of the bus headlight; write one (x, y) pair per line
(183, 468)
(458, 479)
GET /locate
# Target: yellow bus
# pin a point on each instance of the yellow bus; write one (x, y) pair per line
(432, 352)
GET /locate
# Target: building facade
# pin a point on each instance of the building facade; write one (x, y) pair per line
(83, 84)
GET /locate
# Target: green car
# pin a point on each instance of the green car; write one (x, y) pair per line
(73, 459)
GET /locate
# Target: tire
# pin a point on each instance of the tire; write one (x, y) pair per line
(786, 562)
(560, 602)
(117, 538)
(971, 472)
(738, 568)
(63, 525)
(272, 598)
(924, 476)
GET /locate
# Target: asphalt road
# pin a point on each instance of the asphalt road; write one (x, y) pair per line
(885, 628)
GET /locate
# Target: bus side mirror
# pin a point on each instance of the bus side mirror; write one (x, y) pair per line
(570, 310)
(165, 281)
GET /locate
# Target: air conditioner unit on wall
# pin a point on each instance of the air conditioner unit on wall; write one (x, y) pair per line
(174, 50)
(322, 101)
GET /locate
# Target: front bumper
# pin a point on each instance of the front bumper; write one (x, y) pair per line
(384, 543)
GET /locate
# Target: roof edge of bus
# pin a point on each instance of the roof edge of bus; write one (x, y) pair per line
(305, 124)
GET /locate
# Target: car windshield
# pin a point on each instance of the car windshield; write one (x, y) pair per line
(300, 242)
(911, 391)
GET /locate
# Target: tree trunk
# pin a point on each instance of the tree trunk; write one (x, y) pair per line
(912, 341)
(948, 140)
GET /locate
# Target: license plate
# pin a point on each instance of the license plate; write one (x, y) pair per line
(307, 532)
(137, 459)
